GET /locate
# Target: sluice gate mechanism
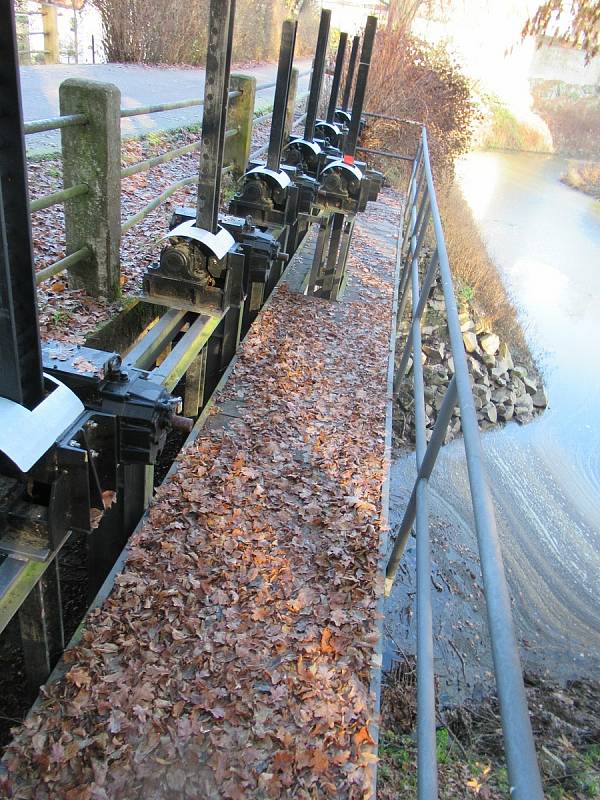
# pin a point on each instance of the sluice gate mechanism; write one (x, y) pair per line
(82, 427)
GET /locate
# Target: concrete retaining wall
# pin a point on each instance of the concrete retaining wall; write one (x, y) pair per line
(553, 62)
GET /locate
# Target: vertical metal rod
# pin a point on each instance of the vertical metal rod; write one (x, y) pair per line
(433, 448)
(427, 282)
(282, 90)
(317, 76)
(21, 377)
(424, 202)
(412, 185)
(361, 87)
(404, 278)
(337, 77)
(426, 744)
(216, 89)
(523, 770)
(421, 227)
(350, 74)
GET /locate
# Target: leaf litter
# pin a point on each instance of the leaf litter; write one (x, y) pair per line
(232, 658)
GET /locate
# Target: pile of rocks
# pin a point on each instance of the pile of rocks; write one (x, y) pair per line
(502, 390)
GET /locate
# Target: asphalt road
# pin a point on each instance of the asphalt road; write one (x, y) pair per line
(139, 85)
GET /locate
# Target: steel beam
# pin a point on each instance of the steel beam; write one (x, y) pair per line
(337, 77)
(361, 87)
(218, 67)
(173, 368)
(282, 90)
(42, 634)
(20, 356)
(193, 399)
(350, 73)
(144, 354)
(317, 75)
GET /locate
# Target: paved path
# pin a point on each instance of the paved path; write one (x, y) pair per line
(139, 85)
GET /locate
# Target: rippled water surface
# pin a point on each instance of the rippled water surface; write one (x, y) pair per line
(545, 477)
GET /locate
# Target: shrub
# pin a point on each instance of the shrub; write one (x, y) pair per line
(504, 130)
(583, 176)
(573, 122)
(175, 32)
(412, 79)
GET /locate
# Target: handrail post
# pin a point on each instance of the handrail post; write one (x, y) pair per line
(523, 770)
(240, 115)
(49, 16)
(92, 156)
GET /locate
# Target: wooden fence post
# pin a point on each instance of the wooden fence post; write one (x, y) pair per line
(51, 40)
(240, 114)
(92, 155)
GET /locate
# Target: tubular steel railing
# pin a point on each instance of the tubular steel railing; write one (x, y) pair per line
(422, 215)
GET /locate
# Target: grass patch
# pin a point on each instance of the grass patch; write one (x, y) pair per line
(584, 176)
(259, 111)
(503, 130)
(469, 745)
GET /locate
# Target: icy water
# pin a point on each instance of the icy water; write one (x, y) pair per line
(545, 477)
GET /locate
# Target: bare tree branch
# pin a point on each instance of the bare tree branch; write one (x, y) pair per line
(574, 22)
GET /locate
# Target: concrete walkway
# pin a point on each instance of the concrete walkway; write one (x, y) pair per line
(233, 656)
(139, 85)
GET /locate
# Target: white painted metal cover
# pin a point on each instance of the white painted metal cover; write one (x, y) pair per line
(25, 436)
(282, 179)
(219, 243)
(342, 165)
(312, 145)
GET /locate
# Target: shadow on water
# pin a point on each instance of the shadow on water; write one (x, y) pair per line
(545, 477)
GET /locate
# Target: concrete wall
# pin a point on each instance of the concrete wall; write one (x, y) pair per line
(552, 62)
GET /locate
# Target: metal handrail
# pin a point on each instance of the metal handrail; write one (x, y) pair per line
(189, 102)
(54, 123)
(157, 108)
(163, 158)
(422, 213)
(160, 199)
(62, 264)
(57, 198)
(264, 117)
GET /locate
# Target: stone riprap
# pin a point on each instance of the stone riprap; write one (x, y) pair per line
(502, 390)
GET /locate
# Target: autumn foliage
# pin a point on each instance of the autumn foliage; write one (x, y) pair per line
(415, 81)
